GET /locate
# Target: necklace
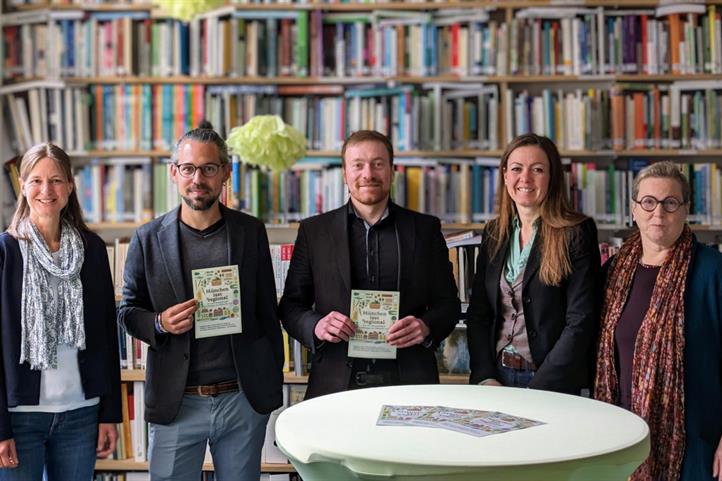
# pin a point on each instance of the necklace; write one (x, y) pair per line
(648, 266)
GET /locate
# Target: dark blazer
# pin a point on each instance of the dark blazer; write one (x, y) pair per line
(319, 281)
(99, 363)
(561, 322)
(154, 281)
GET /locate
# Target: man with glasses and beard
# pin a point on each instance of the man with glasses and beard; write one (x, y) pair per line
(217, 390)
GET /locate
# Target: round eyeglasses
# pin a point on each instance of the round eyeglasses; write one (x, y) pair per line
(669, 204)
(207, 170)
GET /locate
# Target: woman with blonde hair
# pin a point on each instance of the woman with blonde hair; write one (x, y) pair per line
(660, 346)
(60, 381)
(533, 311)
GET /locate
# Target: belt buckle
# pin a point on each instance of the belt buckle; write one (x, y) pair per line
(510, 360)
(208, 391)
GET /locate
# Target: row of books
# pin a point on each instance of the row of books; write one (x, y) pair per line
(605, 192)
(144, 117)
(118, 189)
(683, 114)
(627, 117)
(678, 39)
(673, 39)
(55, 114)
(434, 116)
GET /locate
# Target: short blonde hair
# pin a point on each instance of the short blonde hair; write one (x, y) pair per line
(662, 170)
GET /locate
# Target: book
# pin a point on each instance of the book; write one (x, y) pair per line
(217, 291)
(373, 312)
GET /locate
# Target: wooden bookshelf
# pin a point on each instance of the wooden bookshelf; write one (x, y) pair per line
(119, 7)
(354, 6)
(290, 378)
(390, 80)
(132, 465)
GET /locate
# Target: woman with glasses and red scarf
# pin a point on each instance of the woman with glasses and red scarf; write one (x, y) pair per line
(660, 347)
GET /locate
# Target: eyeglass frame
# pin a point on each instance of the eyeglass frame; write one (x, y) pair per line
(200, 167)
(658, 202)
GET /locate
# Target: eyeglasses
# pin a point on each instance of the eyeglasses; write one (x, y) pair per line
(207, 170)
(669, 204)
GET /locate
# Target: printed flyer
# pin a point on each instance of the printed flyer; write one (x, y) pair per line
(218, 293)
(466, 421)
(373, 312)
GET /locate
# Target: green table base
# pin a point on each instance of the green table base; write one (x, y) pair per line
(610, 467)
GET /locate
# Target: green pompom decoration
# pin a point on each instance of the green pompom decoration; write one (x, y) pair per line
(187, 9)
(267, 141)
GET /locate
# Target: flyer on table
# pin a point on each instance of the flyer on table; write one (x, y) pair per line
(218, 293)
(373, 312)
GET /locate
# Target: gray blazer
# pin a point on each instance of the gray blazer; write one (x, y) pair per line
(153, 281)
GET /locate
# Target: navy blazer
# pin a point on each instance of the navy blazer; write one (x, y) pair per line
(99, 363)
(154, 281)
(561, 321)
(319, 281)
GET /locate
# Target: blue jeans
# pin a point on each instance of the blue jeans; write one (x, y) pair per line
(514, 377)
(227, 422)
(61, 444)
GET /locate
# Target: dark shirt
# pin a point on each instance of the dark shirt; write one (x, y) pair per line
(625, 336)
(374, 254)
(211, 358)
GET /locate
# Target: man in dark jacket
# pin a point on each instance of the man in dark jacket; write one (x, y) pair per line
(369, 244)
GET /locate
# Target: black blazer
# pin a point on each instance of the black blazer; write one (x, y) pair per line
(319, 281)
(154, 281)
(561, 322)
(99, 362)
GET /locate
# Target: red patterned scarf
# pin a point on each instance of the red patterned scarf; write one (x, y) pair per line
(658, 365)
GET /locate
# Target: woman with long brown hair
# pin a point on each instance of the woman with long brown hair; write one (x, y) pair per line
(60, 381)
(532, 316)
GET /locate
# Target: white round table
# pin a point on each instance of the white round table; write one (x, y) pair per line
(335, 437)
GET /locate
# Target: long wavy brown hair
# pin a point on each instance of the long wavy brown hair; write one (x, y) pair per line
(555, 211)
(71, 212)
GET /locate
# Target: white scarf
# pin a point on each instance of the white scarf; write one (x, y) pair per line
(46, 319)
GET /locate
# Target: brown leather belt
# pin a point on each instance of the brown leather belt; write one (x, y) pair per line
(515, 361)
(212, 389)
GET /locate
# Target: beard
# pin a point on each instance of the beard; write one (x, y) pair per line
(369, 197)
(203, 203)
